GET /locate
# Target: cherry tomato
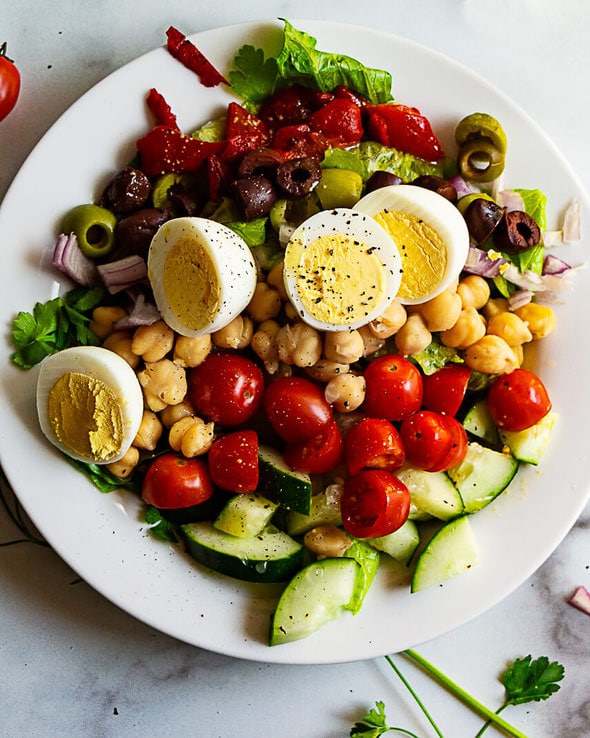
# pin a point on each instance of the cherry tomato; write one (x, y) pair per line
(226, 388)
(373, 443)
(9, 83)
(393, 388)
(374, 503)
(296, 408)
(233, 461)
(173, 482)
(319, 454)
(518, 400)
(433, 442)
(445, 390)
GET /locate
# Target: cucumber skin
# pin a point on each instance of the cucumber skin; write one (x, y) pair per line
(290, 490)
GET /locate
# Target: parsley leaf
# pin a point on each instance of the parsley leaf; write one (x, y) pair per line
(254, 78)
(159, 526)
(372, 725)
(531, 681)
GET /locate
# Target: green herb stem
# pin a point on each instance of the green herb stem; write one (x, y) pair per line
(414, 695)
(463, 695)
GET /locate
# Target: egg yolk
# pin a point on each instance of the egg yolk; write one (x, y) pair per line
(340, 279)
(191, 284)
(85, 416)
(423, 252)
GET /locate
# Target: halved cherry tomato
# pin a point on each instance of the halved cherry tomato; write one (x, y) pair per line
(226, 388)
(404, 128)
(518, 400)
(393, 388)
(296, 408)
(173, 482)
(374, 503)
(433, 442)
(233, 461)
(373, 443)
(445, 390)
(319, 454)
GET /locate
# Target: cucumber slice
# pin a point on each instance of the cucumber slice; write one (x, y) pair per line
(279, 483)
(433, 494)
(478, 423)
(452, 550)
(401, 544)
(317, 594)
(246, 515)
(271, 556)
(529, 445)
(324, 508)
(482, 475)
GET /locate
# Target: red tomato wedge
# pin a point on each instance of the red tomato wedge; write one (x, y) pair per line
(373, 443)
(319, 454)
(433, 442)
(444, 391)
(374, 503)
(233, 461)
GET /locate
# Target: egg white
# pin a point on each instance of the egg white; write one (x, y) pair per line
(435, 210)
(226, 267)
(100, 364)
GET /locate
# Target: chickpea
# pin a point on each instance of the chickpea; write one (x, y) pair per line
(325, 370)
(468, 329)
(390, 321)
(237, 334)
(299, 344)
(125, 466)
(120, 343)
(474, 291)
(265, 304)
(491, 355)
(518, 354)
(442, 312)
(150, 430)
(327, 541)
(511, 328)
(345, 347)
(264, 345)
(189, 351)
(370, 342)
(291, 312)
(494, 306)
(172, 413)
(164, 383)
(191, 436)
(275, 280)
(540, 319)
(104, 318)
(346, 392)
(413, 336)
(153, 342)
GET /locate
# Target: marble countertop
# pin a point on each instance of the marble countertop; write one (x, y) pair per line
(74, 664)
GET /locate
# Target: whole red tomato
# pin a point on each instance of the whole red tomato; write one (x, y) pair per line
(373, 443)
(374, 503)
(393, 388)
(9, 83)
(445, 390)
(173, 482)
(518, 400)
(226, 388)
(319, 454)
(433, 442)
(296, 408)
(233, 461)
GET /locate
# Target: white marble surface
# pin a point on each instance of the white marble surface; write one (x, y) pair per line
(75, 665)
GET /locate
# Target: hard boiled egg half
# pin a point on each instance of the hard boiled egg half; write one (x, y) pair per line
(430, 233)
(202, 274)
(341, 269)
(89, 403)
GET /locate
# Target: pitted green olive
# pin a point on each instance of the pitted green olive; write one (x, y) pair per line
(94, 228)
(480, 161)
(339, 188)
(481, 126)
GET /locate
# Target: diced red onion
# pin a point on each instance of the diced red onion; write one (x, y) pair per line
(510, 200)
(462, 186)
(581, 599)
(553, 265)
(479, 262)
(124, 273)
(69, 259)
(519, 298)
(143, 312)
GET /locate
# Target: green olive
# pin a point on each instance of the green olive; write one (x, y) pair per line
(339, 188)
(481, 126)
(278, 214)
(480, 161)
(466, 200)
(94, 228)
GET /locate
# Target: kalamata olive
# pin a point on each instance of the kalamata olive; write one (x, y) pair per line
(256, 196)
(298, 177)
(263, 162)
(516, 232)
(381, 179)
(482, 216)
(127, 191)
(135, 231)
(437, 184)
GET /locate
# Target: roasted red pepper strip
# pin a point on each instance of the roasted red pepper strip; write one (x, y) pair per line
(187, 53)
(166, 149)
(160, 109)
(339, 121)
(403, 128)
(244, 132)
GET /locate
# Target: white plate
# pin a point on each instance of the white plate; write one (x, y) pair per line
(102, 536)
